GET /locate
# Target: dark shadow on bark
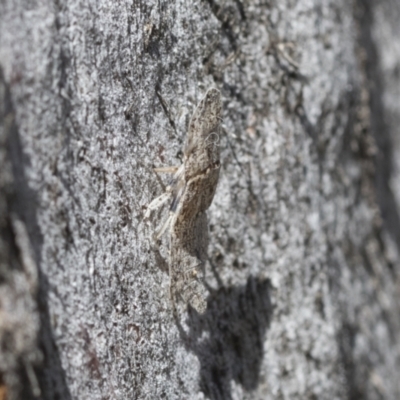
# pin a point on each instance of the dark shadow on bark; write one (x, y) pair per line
(346, 338)
(23, 203)
(228, 338)
(379, 128)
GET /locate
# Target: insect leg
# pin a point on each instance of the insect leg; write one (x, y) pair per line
(157, 203)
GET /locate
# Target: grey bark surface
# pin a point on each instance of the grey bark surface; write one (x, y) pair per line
(303, 260)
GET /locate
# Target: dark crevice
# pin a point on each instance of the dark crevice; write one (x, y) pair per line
(379, 127)
(346, 339)
(229, 17)
(24, 203)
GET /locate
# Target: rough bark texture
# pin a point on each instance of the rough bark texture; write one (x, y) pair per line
(303, 275)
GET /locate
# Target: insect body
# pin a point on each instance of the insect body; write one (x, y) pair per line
(191, 193)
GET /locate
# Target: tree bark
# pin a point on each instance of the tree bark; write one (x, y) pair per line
(303, 261)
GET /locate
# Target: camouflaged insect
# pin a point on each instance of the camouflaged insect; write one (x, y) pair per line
(191, 192)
